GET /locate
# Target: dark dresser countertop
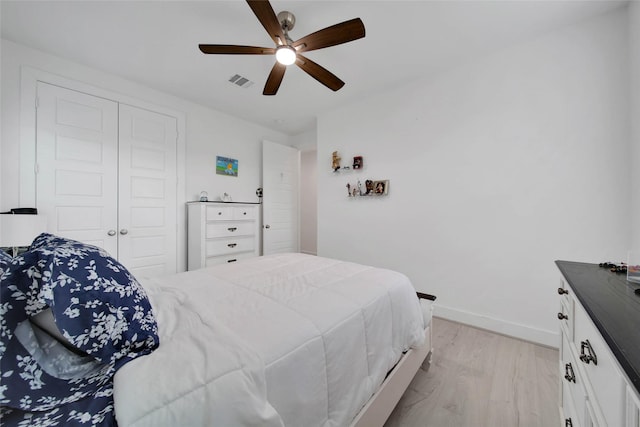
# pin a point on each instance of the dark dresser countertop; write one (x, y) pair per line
(610, 301)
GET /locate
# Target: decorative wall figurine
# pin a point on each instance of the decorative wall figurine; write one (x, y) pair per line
(349, 189)
(360, 193)
(335, 162)
(357, 162)
(369, 187)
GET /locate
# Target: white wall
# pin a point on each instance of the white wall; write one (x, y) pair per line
(208, 133)
(496, 169)
(634, 51)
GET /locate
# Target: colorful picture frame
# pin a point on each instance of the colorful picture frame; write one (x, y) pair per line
(381, 188)
(226, 166)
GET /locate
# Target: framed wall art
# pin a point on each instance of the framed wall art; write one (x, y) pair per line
(226, 166)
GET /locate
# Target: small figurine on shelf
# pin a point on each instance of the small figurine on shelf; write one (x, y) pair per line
(335, 162)
(357, 162)
(348, 189)
(360, 193)
(354, 192)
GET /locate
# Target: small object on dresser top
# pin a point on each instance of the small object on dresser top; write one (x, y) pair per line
(204, 196)
(614, 268)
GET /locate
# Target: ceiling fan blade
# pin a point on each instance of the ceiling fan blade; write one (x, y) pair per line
(229, 49)
(319, 73)
(336, 34)
(274, 80)
(267, 17)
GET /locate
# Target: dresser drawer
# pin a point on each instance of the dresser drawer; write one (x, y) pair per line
(244, 213)
(219, 213)
(229, 246)
(227, 259)
(230, 229)
(602, 372)
(566, 317)
(633, 409)
(573, 389)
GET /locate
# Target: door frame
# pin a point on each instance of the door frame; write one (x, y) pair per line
(29, 78)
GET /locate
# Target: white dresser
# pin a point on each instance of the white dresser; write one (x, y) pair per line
(599, 356)
(220, 233)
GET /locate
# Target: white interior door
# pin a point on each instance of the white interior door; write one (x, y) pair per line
(280, 170)
(77, 165)
(147, 191)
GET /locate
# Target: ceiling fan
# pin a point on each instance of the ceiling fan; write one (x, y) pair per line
(287, 51)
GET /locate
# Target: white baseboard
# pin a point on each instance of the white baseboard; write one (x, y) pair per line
(527, 333)
(308, 252)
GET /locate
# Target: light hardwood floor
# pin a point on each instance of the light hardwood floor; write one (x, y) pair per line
(481, 379)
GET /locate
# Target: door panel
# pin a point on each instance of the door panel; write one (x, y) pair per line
(76, 153)
(147, 191)
(280, 166)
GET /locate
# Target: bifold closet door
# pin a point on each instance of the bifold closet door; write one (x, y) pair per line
(147, 191)
(77, 165)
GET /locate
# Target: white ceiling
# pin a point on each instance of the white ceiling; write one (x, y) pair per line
(155, 43)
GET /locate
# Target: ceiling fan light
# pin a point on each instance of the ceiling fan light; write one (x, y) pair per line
(286, 55)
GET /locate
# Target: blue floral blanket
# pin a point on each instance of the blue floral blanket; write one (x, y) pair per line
(103, 319)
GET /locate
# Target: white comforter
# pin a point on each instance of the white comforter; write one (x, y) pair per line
(287, 339)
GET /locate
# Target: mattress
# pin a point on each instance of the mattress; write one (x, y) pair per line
(287, 339)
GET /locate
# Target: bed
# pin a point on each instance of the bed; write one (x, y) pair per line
(287, 339)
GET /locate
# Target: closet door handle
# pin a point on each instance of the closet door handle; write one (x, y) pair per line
(562, 291)
(562, 316)
(111, 232)
(124, 231)
(568, 423)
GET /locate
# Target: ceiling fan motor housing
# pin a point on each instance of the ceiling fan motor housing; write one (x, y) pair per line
(287, 20)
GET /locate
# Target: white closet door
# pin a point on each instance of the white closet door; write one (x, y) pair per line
(280, 169)
(77, 165)
(147, 191)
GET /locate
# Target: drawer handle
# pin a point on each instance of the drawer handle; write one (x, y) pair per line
(232, 229)
(562, 316)
(569, 375)
(568, 423)
(562, 291)
(244, 213)
(231, 260)
(232, 245)
(219, 213)
(591, 356)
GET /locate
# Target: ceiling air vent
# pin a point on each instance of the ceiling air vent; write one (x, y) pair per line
(237, 79)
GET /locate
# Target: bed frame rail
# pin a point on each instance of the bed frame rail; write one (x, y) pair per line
(377, 410)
